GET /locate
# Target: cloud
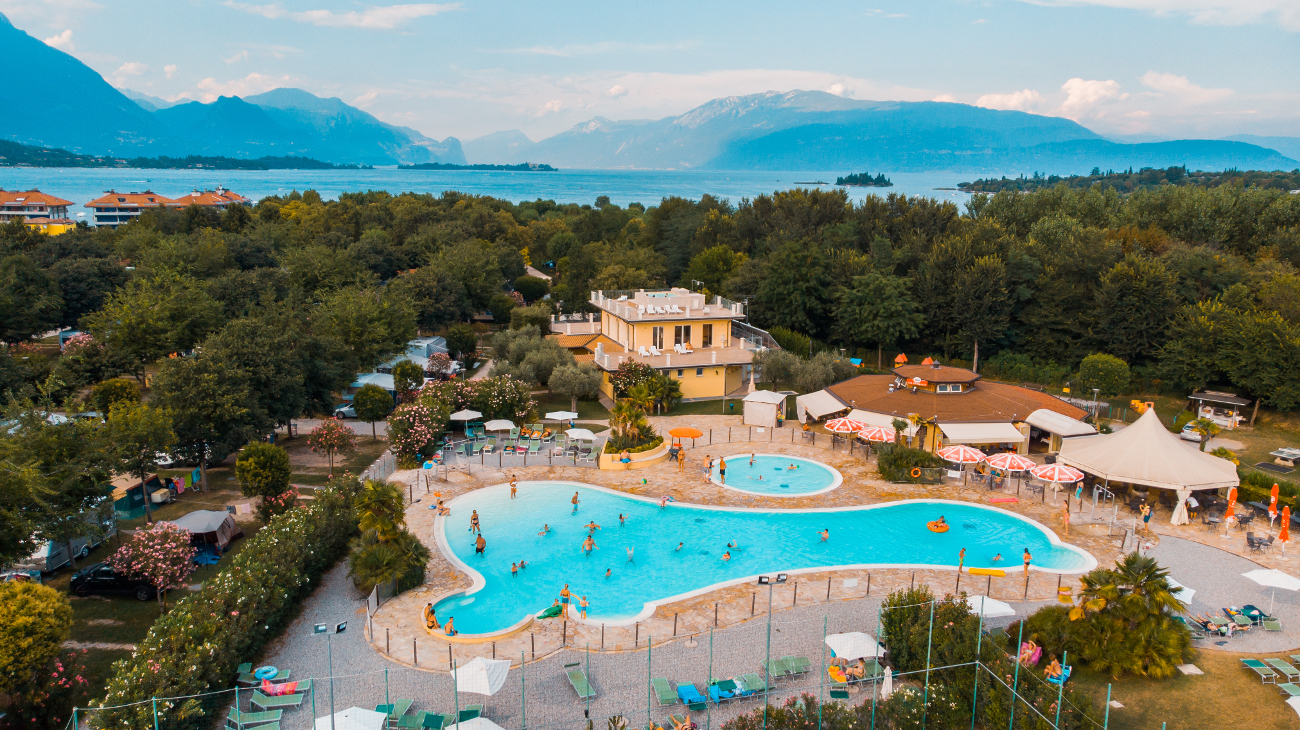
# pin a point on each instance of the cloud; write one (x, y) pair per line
(1204, 12)
(550, 107)
(51, 13)
(980, 21)
(209, 89)
(945, 97)
(62, 41)
(169, 70)
(1023, 101)
(839, 89)
(593, 49)
(616, 91)
(132, 68)
(241, 56)
(376, 18)
(1084, 97)
(1182, 89)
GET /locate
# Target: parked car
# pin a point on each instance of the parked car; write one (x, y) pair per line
(100, 578)
(345, 411)
(164, 461)
(1189, 433)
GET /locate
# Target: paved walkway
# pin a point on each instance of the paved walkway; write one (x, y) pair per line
(1216, 577)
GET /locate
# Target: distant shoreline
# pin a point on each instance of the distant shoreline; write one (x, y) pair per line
(524, 167)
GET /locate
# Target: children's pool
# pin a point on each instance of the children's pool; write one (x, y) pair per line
(770, 541)
(771, 475)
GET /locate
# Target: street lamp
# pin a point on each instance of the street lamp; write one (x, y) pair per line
(1096, 404)
(329, 650)
(766, 580)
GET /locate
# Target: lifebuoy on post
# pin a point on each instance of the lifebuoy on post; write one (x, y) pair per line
(916, 472)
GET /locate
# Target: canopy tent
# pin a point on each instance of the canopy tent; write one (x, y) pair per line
(353, 718)
(817, 405)
(1146, 453)
(762, 407)
(854, 645)
(210, 527)
(981, 433)
(883, 420)
(481, 676)
(989, 607)
(1059, 423)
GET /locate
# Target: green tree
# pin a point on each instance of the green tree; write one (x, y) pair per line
(532, 288)
(161, 555)
(1107, 373)
(462, 342)
(1206, 428)
(117, 390)
(438, 297)
(711, 267)
(536, 315)
(212, 407)
(778, 367)
(878, 309)
(263, 470)
(150, 318)
(30, 302)
(667, 391)
(372, 403)
(385, 551)
(35, 620)
(501, 305)
(373, 325)
(138, 432)
(575, 381)
(1135, 302)
(331, 436)
(408, 378)
(795, 291)
(980, 294)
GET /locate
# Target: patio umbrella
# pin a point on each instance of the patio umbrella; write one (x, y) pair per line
(499, 424)
(1011, 462)
(1274, 579)
(353, 718)
(961, 454)
(853, 645)
(1284, 534)
(477, 723)
(561, 416)
(845, 425)
(989, 607)
(887, 687)
(581, 434)
(465, 415)
(1228, 514)
(1272, 504)
(481, 676)
(877, 433)
(1057, 473)
(1180, 591)
(686, 432)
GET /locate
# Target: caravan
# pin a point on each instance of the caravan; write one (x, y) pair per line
(101, 525)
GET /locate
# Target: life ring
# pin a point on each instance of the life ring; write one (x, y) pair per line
(916, 472)
(937, 526)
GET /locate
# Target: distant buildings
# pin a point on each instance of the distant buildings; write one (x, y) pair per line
(219, 198)
(38, 210)
(114, 209)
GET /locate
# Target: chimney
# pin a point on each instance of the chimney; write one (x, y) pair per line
(715, 356)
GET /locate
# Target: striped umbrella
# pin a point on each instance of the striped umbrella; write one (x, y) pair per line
(1059, 473)
(877, 433)
(844, 425)
(1011, 462)
(961, 454)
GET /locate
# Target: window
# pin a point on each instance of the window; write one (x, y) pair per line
(699, 372)
(657, 337)
(682, 334)
(706, 337)
(680, 373)
(942, 388)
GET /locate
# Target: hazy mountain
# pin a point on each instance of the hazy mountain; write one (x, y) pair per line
(511, 147)
(1289, 146)
(148, 102)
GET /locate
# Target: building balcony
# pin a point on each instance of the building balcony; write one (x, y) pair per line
(739, 352)
(665, 305)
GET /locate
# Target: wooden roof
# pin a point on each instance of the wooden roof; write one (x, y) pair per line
(984, 402)
(937, 373)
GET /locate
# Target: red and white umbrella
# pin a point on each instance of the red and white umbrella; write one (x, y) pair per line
(1059, 473)
(961, 454)
(1011, 462)
(844, 425)
(877, 433)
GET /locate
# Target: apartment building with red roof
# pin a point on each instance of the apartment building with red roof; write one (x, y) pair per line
(26, 205)
(113, 209)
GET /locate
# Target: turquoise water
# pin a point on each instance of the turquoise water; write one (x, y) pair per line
(777, 479)
(771, 541)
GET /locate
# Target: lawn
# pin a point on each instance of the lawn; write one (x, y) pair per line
(1227, 690)
(588, 410)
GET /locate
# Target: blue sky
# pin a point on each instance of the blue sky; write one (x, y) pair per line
(1145, 68)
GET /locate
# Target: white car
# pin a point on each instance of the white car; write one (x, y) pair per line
(1189, 433)
(345, 411)
(164, 461)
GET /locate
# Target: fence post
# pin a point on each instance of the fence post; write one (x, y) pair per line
(387, 701)
(523, 694)
(929, 642)
(1015, 683)
(1105, 723)
(1060, 691)
(674, 624)
(415, 653)
(155, 713)
(649, 641)
(388, 642)
(868, 584)
(828, 589)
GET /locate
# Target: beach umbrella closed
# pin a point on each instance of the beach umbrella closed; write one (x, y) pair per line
(561, 416)
(465, 415)
(877, 433)
(887, 687)
(1229, 514)
(1011, 462)
(961, 454)
(1272, 505)
(481, 676)
(1057, 473)
(989, 607)
(686, 432)
(845, 425)
(1284, 534)
(581, 434)
(1274, 579)
(854, 645)
(499, 424)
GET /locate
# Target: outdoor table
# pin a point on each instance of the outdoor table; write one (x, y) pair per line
(1259, 506)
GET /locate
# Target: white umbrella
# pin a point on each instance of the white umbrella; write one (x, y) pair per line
(1180, 591)
(1274, 579)
(465, 415)
(1295, 704)
(580, 433)
(561, 415)
(478, 723)
(481, 676)
(989, 607)
(353, 718)
(887, 687)
(853, 645)
(499, 424)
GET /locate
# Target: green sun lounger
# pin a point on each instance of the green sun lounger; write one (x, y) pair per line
(245, 668)
(1272, 624)
(470, 712)
(679, 720)
(534, 446)
(797, 664)
(417, 720)
(267, 703)
(664, 691)
(1295, 658)
(754, 683)
(1266, 675)
(777, 669)
(578, 680)
(1292, 690)
(1291, 672)
(262, 720)
(395, 710)
(248, 678)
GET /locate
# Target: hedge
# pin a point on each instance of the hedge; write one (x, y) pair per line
(198, 645)
(652, 444)
(1256, 486)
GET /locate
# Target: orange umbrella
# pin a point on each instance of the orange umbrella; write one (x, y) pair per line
(1272, 504)
(1232, 502)
(686, 432)
(901, 359)
(1285, 533)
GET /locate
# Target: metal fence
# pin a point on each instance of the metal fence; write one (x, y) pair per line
(778, 657)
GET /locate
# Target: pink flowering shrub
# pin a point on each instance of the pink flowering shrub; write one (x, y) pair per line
(413, 428)
(332, 437)
(161, 555)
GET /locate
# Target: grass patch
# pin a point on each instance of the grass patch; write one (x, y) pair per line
(365, 454)
(1227, 690)
(588, 410)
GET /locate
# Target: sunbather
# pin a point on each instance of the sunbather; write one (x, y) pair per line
(448, 628)
(857, 671)
(685, 723)
(1053, 670)
(430, 618)
(1027, 651)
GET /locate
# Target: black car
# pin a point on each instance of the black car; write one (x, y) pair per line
(100, 578)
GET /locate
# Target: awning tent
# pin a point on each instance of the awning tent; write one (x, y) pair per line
(1147, 454)
(761, 408)
(884, 420)
(1059, 424)
(210, 527)
(818, 405)
(981, 433)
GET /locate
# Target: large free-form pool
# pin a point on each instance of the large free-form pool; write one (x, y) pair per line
(771, 475)
(770, 541)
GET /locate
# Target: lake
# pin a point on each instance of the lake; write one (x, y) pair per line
(565, 186)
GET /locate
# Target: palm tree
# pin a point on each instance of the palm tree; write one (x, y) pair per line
(380, 509)
(916, 420)
(1206, 428)
(667, 392)
(641, 396)
(899, 427)
(1126, 624)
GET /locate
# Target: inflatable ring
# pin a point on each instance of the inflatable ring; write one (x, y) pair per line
(937, 526)
(916, 472)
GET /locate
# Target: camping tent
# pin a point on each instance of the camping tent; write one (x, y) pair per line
(817, 405)
(761, 408)
(1146, 453)
(210, 527)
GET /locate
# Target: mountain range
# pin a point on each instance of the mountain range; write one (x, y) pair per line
(793, 130)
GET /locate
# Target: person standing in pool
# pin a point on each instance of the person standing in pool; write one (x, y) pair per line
(480, 545)
(588, 545)
(582, 606)
(546, 529)
(629, 555)
(473, 522)
(622, 519)
(564, 600)
(751, 458)
(514, 570)
(722, 470)
(591, 527)
(826, 534)
(609, 572)
(514, 485)
(575, 503)
(522, 564)
(678, 549)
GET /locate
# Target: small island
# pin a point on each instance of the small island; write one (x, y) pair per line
(865, 180)
(523, 167)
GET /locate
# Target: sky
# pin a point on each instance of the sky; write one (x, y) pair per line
(1128, 69)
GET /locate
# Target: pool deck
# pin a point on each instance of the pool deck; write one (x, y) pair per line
(397, 623)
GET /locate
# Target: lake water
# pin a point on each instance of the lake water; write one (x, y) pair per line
(565, 186)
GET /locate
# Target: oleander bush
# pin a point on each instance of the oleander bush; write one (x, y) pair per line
(197, 646)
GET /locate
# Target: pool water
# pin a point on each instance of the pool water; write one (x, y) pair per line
(770, 541)
(771, 475)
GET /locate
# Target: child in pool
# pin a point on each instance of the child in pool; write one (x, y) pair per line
(997, 558)
(609, 572)
(678, 549)
(792, 467)
(726, 555)
(826, 534)
(546, 529)
(582, 606)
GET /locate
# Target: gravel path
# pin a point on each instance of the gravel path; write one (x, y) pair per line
(361, 428)
(1216, 577)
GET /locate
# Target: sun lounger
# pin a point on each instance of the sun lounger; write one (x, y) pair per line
(240, 720)
(248, 678)
(797, 664)
(754, 683)
(691, 697)
(1295, 658)
(674, 721)
(664, 691)
(1266, 675)
(267, 703)
(418, 720)
(1195, 629)
(578, 680)
(395, 710)
(470, 712)
(1292, 674)
(1272, 624)
(245, 668)
(719, 695)
(1065, 676)
(776, 669)
(1292, 690)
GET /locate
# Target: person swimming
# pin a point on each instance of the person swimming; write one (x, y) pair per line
(629, 555)
(941, 521)
(678, 549)
(546, 529)
(591, 527)
(826, 534)
(609, 572)
(588, 545)
(997, 558)
(792, 467)
(734, 544)
(726, 555)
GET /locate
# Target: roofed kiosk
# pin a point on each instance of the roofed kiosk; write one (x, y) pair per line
(1146, 453)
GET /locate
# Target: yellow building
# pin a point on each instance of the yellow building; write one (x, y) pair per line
(696, 339)
(51, 226)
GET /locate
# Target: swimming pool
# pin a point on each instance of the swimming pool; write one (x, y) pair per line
(771, 541)
(771, 475)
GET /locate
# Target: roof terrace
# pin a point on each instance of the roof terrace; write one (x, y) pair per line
(667, 305)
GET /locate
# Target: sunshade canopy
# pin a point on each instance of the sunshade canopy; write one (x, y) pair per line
(1057, 473)
(580, 433)
(353, 718)
(1011, 462)
(481, 676)
(854, 645)
(961, 454)
(1274, 579)
(989, 607)
(1059, 423)
(1147, 453)
(561, 415)
(981, 433)
(844, 425)
(499, 424)
(465, 415)
(765, 396)
(686, 432)
(877, 433)
(883, 420)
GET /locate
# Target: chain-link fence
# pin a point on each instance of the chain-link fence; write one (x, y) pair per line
(712, 675)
